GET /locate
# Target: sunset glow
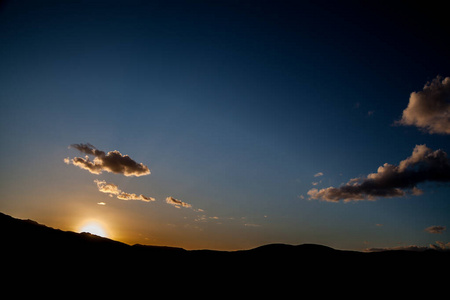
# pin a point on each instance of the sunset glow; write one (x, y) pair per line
(93, 228)
(227, 125)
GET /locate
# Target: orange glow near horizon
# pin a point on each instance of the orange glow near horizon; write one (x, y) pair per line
(94, 227)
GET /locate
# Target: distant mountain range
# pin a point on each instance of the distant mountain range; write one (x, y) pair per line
(27, 246)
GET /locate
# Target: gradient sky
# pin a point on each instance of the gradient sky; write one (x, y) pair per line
(234, 106)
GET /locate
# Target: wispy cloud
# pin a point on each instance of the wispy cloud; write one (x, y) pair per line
(436, 229)
(127, 196)
(252, 225)
(439, 246)
(112, 189)
(177, 203)
(113, 162)
(390, 180)
(318, 174)
(108, 188)
(429, 109)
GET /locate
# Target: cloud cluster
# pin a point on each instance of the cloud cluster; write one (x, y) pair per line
(390, 180)
(112, 161)
(112, 189)
(436, 229)
(115, 162)
(429, 109)
(177, 203)
(439, 246)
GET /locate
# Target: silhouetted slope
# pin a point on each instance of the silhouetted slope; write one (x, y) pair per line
(21, 234)
(27, 245)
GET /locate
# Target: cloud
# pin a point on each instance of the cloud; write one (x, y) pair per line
(84, 163)
(436, 229)
(113, 162)
(318, 174)
(252, 225)
(429, 109)
(404, 248)
(390, 180)
(112, 189)
(108, 188)
(177, 203)
(439, 246)
(127, 196)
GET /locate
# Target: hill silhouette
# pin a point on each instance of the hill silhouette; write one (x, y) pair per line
(31, 247)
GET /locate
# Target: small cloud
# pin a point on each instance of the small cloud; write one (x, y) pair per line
(112, 189)
(201, 218)
(101, 203)
(416, 191)
(113, 162)
(429, 109)
(439, 246)
(252, 225)
(127, 196)
(107, 188)
(177, 203)
(379, 225)
(436, 229)
(318, 174)
(370, 113)
(400, 180)
(413, 248)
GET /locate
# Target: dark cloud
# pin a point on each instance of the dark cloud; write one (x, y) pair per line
(85, 163)
(435, 229)
(404, 248)
(390, 180)
(112, 189)
(439, 246)
(429, 109)
(112, 161)
(88, 149)
(177, 203)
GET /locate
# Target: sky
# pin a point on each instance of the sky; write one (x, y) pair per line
(228, 124)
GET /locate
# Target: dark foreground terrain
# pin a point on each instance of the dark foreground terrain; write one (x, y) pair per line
(29, 249)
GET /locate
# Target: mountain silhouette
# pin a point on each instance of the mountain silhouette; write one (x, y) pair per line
(31, 247)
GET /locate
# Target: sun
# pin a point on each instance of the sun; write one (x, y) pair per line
(93, 228)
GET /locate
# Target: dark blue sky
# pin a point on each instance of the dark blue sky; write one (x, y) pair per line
(233, 105)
